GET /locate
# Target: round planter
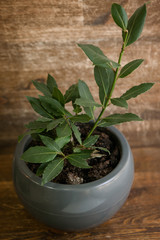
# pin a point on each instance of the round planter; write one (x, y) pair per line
(74, 207)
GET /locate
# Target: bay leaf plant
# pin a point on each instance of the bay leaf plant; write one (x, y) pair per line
(54, 116)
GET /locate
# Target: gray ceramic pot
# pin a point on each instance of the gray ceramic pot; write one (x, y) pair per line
(74, 207)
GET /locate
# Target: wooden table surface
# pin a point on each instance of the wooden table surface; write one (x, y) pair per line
(138, 219)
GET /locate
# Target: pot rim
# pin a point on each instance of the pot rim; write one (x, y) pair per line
(114, 174)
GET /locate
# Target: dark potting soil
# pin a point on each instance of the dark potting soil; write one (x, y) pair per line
(101, 166)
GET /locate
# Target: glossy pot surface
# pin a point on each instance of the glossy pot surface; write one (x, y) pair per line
(74, 207)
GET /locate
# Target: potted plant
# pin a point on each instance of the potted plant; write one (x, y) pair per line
(71, 170)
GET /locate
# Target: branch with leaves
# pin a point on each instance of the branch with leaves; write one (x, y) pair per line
(57, 127)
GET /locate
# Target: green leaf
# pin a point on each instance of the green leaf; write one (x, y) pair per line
(90, 141)
(54, 123)
(42, 88)
(41, 169)
(29, 133)
(36, 105)
(130, 67)
(53, 169)
(79, 159)
(51, 83)
(77, 108)
(77, 149)
(85, 93)
(135, 25)
(84, 90)
(78, 162)
(50, 143)
(120, 102)
(104, 78)
(82, 118)
(37, 124)
(38, 154)
(119, 15)
(136, 90)
(96, 55)
(85, 154)
(72, 93)
(119, 118)
(62, 141)
(56, 94)
(43, 119)
(76, 133)
(63, 130)
(68, 114)
(52, 106)
(112, 65)
(86, 102)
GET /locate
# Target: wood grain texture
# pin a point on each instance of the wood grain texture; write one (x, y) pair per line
(138, 219)
(39, 37)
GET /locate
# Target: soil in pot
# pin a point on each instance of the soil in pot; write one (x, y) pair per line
(101, 166)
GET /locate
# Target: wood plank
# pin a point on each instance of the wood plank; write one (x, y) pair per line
(42, 39)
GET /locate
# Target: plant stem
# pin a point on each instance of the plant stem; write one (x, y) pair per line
(113, 86)
(66, 119)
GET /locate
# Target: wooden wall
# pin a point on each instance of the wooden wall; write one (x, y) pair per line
(38, 37)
